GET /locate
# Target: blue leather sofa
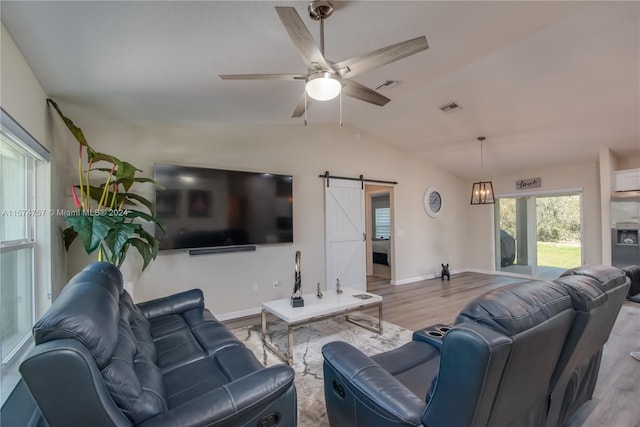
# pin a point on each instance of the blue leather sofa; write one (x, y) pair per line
(524, 355)
(101, 360)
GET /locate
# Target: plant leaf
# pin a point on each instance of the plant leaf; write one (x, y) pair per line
(76, 131)
(155, 245)
(128, 182)
(144, 250)
(69, 235)
(92, 229)
(125, 174)
(132, 213)
(123, 254)
(117, 238)
(96, 192)
(137, 199)
(95, 157)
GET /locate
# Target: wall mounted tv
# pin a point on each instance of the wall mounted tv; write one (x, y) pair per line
(215, 208)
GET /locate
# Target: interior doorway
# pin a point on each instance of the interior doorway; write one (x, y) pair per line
(379, 226)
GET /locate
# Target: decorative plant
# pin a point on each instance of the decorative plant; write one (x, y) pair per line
(108, 218)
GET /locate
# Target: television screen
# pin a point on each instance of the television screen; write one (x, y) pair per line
(208, 208)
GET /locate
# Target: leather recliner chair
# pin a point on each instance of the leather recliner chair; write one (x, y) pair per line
(496, 366)
(492, 368)
(597, 294)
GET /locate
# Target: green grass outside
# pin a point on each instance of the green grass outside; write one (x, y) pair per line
(560, 255)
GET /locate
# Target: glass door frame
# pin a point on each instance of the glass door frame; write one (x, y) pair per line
(532, 248)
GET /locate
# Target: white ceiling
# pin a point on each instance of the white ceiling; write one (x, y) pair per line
(545, 82)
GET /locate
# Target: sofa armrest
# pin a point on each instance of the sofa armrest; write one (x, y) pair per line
(232, 400)
(172, 304)
(56, 373)
(372, 384)
(433, 335)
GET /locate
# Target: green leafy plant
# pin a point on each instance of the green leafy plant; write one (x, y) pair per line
(108, 218)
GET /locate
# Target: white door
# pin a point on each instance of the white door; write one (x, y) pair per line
(345, 235)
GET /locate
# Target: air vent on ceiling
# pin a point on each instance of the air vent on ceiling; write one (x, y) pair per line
(451, 106)
(387, 84)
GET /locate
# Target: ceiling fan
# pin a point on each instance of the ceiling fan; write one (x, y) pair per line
(325, 79)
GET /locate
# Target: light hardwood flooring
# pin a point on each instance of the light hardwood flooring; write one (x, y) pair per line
(382, 271)
(616, 400)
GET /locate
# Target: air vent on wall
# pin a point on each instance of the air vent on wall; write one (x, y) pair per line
(387, 84)
(451, 106)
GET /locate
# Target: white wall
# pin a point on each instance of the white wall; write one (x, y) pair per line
(586, 176)
(421, 242)
(23, 98)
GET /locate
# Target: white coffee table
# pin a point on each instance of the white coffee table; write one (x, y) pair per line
(331, 304)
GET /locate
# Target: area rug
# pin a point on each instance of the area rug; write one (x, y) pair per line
(307, 356)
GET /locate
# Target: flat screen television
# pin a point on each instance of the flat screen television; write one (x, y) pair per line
(213, 208)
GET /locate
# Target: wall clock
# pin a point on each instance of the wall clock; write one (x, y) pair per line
(432, 202)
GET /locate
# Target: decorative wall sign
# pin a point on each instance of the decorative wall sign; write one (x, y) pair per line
(525, 184)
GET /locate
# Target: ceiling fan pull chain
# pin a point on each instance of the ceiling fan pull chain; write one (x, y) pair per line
(305, 107)
(340, 109)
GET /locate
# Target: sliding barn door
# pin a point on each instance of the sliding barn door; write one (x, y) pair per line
(345, 235)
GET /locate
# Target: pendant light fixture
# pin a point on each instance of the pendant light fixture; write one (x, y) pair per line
(482, 191)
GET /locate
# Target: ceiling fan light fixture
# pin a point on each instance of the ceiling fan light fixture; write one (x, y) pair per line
(323, 86)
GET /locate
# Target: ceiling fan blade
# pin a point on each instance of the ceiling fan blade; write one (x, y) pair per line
(302, 38)
(369, 61)
(363, 93)
(300, 106)
(263, 76)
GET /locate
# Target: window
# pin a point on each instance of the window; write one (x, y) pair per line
(20, 156)
(382, 218)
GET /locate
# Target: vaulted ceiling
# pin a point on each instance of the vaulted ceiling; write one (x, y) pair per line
(546, 82)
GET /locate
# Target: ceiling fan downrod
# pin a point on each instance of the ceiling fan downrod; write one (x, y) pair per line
(319, 10)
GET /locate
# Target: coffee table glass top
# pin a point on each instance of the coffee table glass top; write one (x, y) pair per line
(330, 303)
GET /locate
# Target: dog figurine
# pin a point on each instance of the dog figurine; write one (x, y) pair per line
(445, 272)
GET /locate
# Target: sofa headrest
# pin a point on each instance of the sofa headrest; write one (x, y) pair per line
(586, 292)
(607, 277)
(515, 308)
(87, 311)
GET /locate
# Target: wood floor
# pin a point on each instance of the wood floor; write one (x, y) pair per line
(616, 401)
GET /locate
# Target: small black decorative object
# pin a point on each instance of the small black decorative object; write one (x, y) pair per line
(319, 292)
(338, 290)
(296, 297)
(445, 272)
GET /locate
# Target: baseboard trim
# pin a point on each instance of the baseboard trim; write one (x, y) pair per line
(431, 276)
(412, 280)
(476, 270)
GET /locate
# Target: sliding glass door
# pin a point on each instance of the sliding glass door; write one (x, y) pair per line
(538, 235)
